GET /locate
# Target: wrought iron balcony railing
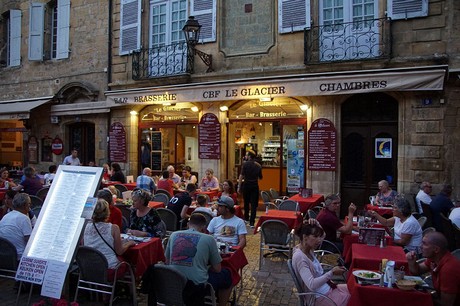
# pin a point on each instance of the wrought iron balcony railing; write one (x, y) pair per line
(358, 40)
(163, 61)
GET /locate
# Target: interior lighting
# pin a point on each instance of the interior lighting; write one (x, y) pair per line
(265, 99)
(223, 108)
(194, 109)
(304, 107)
(133, 113)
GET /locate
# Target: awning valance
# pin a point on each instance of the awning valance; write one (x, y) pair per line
(320, 84)
(84, 108)
(19, 109)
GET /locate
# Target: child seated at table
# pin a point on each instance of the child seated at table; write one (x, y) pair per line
(201, 202)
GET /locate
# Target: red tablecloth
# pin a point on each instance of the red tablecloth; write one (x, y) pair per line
(211, 194)
(2, 195)
(144, 254)
(291, 218)
(349, 240)
(153, 204)
(130, 186)
(382, 296)
(235, 262)
(380, 210)
(370, 257)
(307, 203)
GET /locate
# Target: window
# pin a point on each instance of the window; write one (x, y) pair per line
(130, 26)
(404, 9)
(293, 15)
(49, 30)
(10, 45)
(348, 30)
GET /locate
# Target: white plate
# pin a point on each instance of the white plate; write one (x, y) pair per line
(417, 279)
(365, 274)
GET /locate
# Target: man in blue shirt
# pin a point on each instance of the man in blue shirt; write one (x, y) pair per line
(442, 203)
(145, 181)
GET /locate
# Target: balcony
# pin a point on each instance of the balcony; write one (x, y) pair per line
(164, 61)
(359, 40)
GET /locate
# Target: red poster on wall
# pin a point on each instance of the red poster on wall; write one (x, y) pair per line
(57, 146)
(209, 135)
(117, 143)
(32, 150)
(322, 146)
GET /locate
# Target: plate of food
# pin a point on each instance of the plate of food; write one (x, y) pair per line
(367, 275)
(417, 279)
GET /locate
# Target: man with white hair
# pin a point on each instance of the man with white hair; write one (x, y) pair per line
(423, 195)
(173, 175)
(145, 181)
(16, 226)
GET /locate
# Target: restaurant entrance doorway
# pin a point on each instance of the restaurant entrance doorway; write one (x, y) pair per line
(369, 145)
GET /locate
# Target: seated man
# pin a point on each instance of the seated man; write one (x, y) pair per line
(190, 252)
(331, 223)
(15, 226)
(228, 227)
(444, 268)
(145, 181)
(180, 203)
(441, 203)
(423, 195)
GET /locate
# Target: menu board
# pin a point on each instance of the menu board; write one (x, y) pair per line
(322, 146)
(156, 141)
(156, 161)
(117, 143)
(209, 136)
(55, 236)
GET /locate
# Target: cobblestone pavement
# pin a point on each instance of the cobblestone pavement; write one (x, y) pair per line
(272, 285)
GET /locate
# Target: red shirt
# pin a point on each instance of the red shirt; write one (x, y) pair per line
(234, 197)
(166, 185)
(446, 276)
(330, 223)
(115, 216)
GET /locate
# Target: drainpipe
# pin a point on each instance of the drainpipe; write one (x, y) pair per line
(109, 46)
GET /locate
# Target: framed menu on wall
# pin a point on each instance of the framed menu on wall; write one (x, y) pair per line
(209, 137)
(117, 143)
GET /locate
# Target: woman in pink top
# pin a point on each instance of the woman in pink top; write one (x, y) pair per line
(166, 183)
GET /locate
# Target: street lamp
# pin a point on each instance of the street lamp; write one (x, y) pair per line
(192, 30)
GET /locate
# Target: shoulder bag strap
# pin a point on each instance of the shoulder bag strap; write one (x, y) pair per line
(94, 224)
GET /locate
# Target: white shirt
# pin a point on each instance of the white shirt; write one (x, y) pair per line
(454, 216)
(423, 197)
(14, 227)
(411, 227)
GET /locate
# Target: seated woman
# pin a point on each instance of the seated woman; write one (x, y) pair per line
(145, 221)
(6, 182)
(31, 182)
(386, 195)
(201, 201)
(408, 232)
(166, 183)
(209, 182)
(187, 177)
(117, 174)
(103, 236)
(228, 190)
(309, 270)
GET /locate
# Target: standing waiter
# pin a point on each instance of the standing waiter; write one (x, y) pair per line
(251, 172)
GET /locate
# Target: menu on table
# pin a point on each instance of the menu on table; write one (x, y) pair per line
(371, 236)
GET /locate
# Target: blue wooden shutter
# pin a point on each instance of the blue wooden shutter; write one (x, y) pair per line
(293, 15)
(63, 25)
(205, 12)
(404, 9)
(130, 26)
(15, 38)
(36, 31)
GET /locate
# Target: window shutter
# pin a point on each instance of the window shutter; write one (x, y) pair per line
(404, 9)
(63, 25)
(293, 15)
(36, 31)
(15, 38)
(205, 12)
(130, 26)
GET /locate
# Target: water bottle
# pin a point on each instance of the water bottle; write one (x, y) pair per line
(7, 185)
(266, 209)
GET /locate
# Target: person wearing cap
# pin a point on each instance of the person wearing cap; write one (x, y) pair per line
(251, 172)
(227, 227)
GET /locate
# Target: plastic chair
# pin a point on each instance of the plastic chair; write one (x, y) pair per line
(306, 298)
(267, 200)
(35, 201)
(289, 205)
(36, 210)
(428, 229)
(9, 265)
(312, 214)
(448, 231)
(161, 197)
(275, 237)
(207, 216)
(41, 193)
(121, 188)
(422, 221)
(169, 218)
(427, 213)
(158, 191)
(276, 196)
(93, 274)
(167, 285)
